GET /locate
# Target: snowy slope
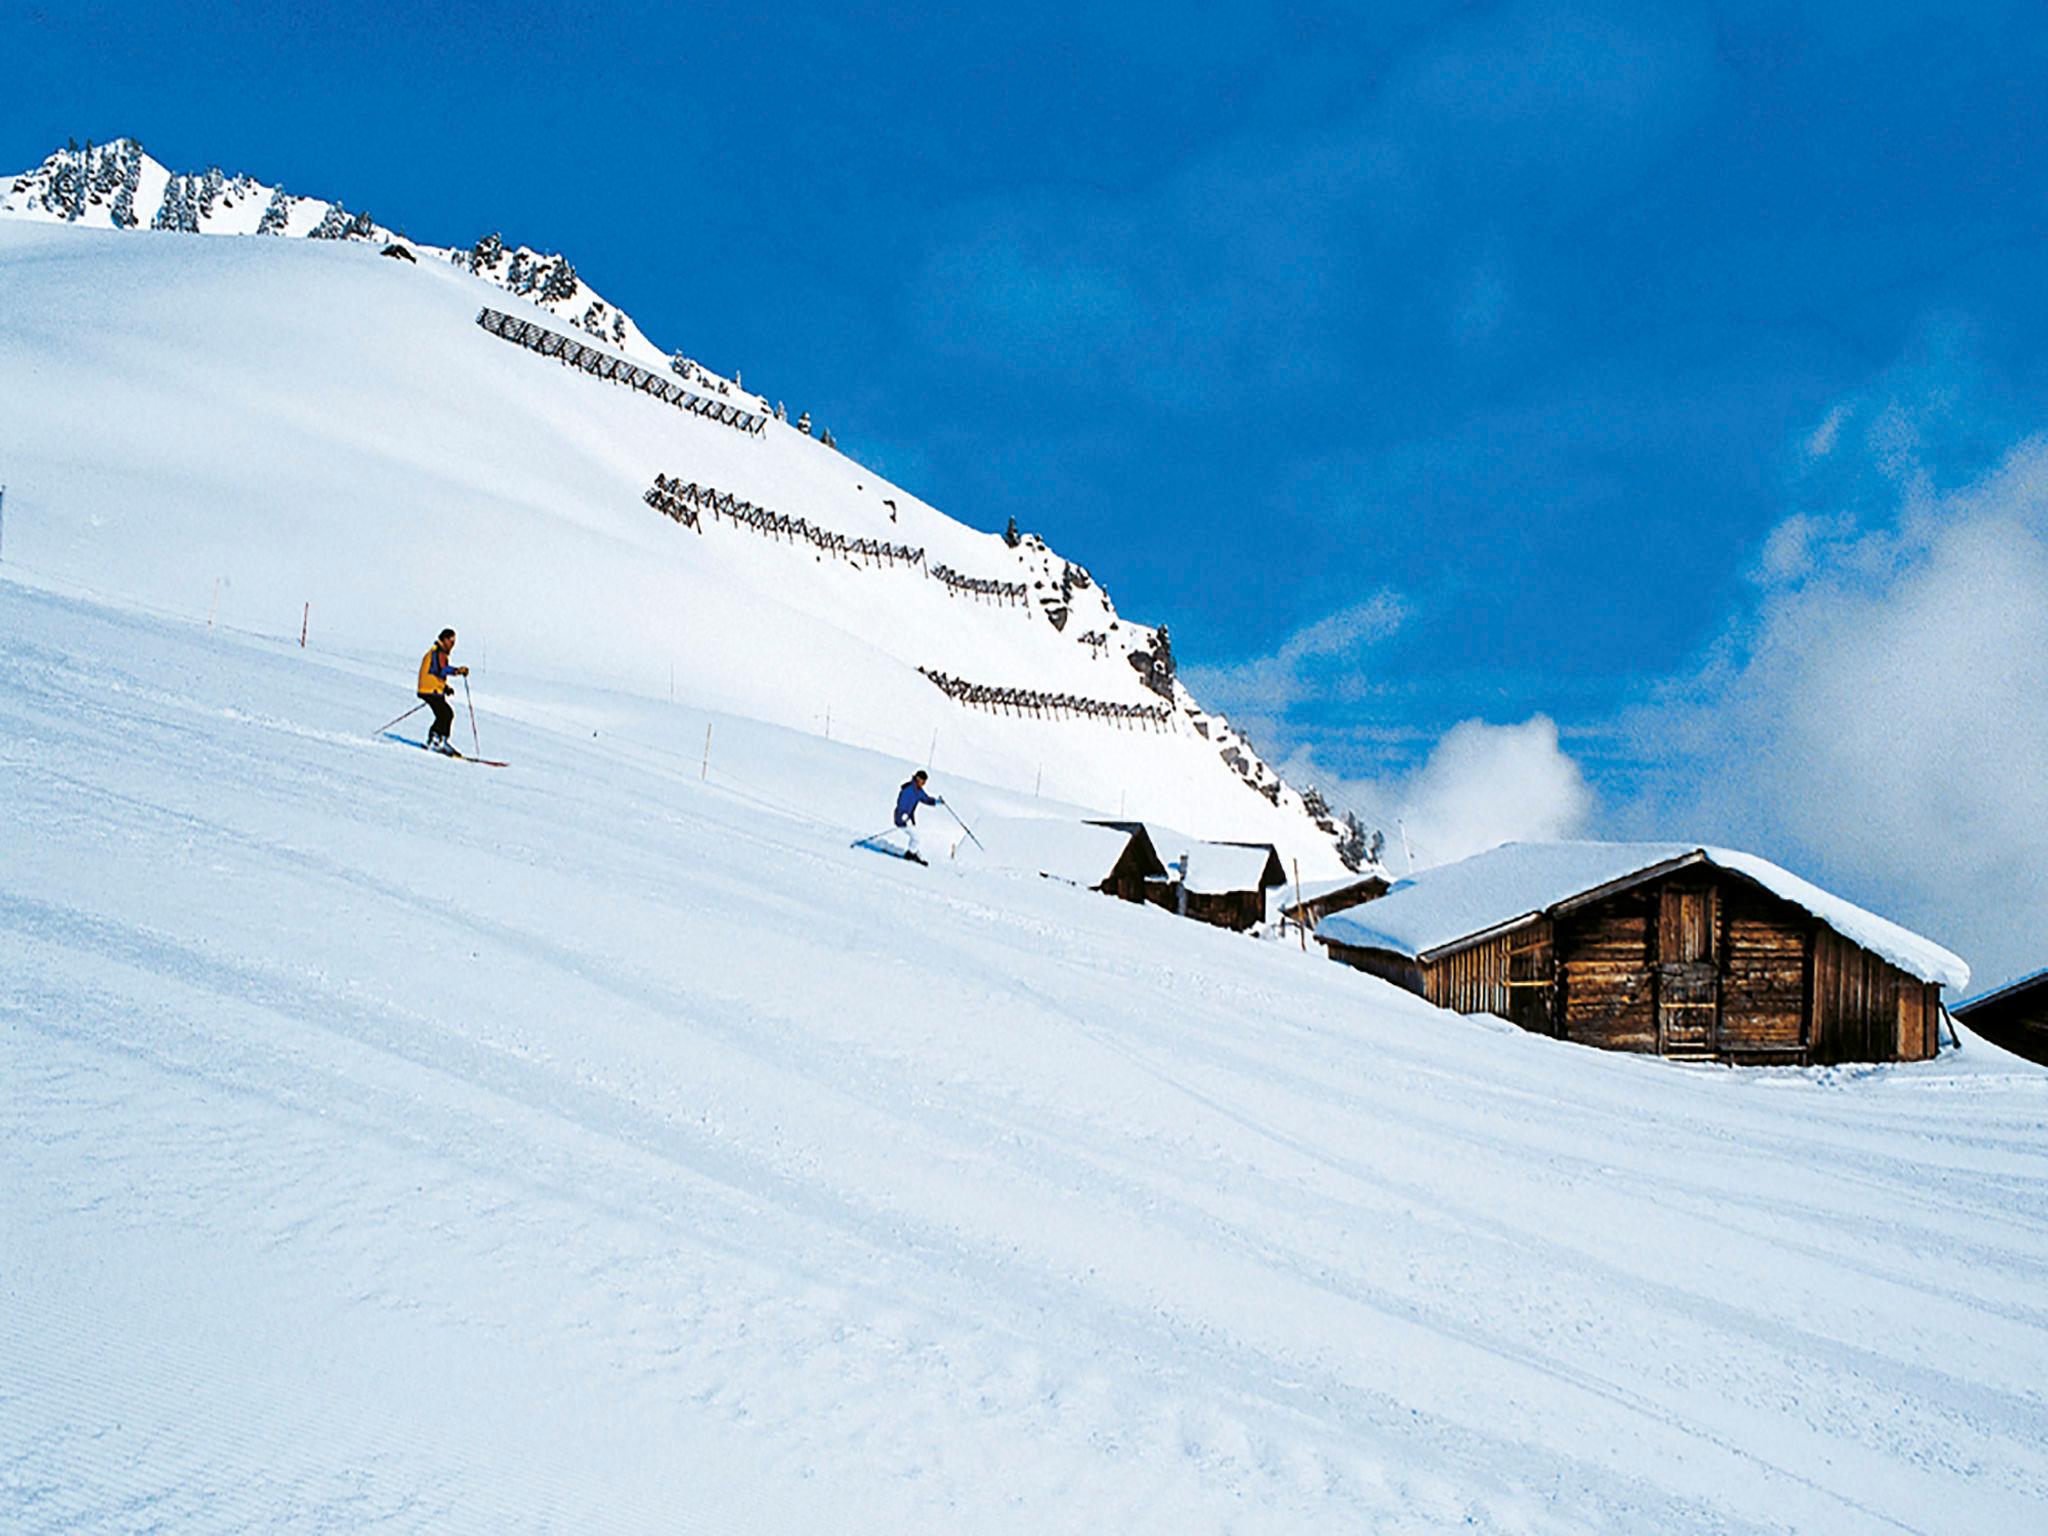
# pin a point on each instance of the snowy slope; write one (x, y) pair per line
(594, 1146)
(241, 427)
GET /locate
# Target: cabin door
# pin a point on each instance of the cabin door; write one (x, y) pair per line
(1688, 977)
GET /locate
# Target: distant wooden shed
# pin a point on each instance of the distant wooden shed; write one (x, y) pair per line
(1675, 949)
(2014, 1016)
(1323, 898)
(1117, 861)
(1223, 883)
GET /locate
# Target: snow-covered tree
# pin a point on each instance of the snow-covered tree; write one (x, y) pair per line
(333, 223)
(277, 215)
(485, 255)
(361, 227)
(127, 179)
(803, 423)
(65, 193)
(1351, 847)
(560, 285)
(180, 211)
(210, 186)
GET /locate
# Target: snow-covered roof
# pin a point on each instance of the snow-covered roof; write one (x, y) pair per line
(2017, 984)
(1316, 890)
(1440, 907)
(1217, 869)
(1076, 851)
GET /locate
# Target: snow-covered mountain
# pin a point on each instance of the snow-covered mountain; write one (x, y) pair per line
(118, 185)
(282, 421)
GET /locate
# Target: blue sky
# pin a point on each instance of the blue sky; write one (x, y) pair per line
(1455, 361)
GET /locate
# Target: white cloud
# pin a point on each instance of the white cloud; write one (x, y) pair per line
(1320, 658)
(1482, 785)
(1882, 716)
(1822, 442)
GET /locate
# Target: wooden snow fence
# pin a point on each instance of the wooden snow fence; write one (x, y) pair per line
(684, 501)
(1004, 592)
(600, 364)
(1035, 704)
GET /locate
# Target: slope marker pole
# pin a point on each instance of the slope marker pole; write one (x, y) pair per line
(1300, 913)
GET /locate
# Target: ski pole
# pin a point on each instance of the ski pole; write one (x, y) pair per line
(472, 716)
(406, 716)
(964, 827)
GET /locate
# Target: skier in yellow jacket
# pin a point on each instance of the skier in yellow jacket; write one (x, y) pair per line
(435, 670)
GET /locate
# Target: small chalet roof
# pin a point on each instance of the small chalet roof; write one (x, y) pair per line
(1444, 907)
(1080, 852)
(1315, 890)
(1219, 869)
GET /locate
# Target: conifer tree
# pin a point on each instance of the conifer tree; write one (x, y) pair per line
(129, 180)
(178, 213)
(1351, 844)
(560, 284)
(485, 255)
(277, 215)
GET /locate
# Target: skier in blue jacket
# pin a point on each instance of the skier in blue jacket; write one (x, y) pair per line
(908, 799)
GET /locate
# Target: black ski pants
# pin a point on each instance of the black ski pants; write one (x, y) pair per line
(444, 714)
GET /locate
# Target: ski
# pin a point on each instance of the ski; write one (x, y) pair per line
(460, 757)
(876, 845)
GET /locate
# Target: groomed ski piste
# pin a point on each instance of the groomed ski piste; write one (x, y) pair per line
(599, 1146)
(604, 1143)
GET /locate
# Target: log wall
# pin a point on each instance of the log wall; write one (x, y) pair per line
(1606, 956)
(1765, 975)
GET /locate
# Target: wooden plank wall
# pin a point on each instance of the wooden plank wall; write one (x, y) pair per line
(1763, 984)
(1865, 1008)
(1606, 956)
(1532, 977)
(1473, 980)
(1399, 969)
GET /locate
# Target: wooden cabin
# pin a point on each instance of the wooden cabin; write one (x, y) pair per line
(1223, 883)
(1678, 950)
(1114, 860)
(2014, 1017)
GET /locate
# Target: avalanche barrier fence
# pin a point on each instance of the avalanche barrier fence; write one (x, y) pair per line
(684, 501)
(1039, 705)
(603, 365)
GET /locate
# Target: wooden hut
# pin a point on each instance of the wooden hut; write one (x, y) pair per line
(1116, 861)
(1226, 883)
(1223, 883)
(2014, 1016)
(1675, 949)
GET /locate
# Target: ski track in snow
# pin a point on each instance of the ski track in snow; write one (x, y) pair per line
(584, 1146)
